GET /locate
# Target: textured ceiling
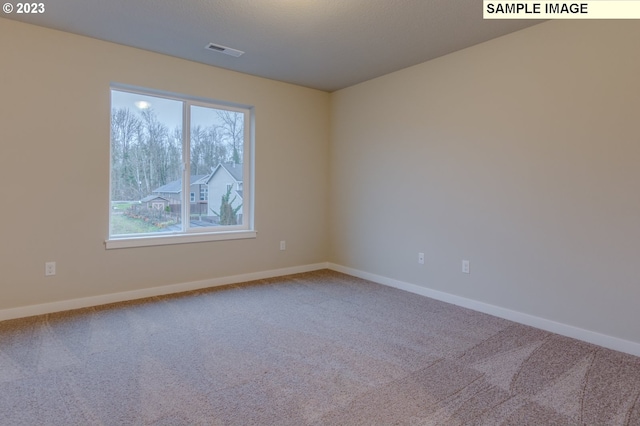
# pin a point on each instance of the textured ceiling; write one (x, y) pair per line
(323, 44)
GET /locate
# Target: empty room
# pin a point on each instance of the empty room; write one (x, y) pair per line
(293, 212)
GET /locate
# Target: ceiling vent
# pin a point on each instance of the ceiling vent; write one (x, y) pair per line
(223, 49)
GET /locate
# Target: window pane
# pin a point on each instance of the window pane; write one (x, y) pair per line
(217, 148)
(146, 164)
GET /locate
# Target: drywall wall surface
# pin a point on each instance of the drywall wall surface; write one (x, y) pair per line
(54, 164)
(520, 155)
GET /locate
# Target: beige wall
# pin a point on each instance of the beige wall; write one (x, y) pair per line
(521, 154)
(54, 141)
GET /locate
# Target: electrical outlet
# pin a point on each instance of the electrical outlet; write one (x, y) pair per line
(283, 245)
(465, 267)
(49, 268)
(421, 258)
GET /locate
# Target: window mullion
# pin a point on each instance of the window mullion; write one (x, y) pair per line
(186, 167)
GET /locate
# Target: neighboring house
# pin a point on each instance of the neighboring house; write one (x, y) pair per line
(198, 193)
(155, 202)
(221, 178)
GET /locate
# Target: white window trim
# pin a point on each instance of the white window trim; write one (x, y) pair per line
(191, 235)
(149, 240)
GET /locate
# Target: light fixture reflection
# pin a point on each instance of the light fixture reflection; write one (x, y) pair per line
(142, 104)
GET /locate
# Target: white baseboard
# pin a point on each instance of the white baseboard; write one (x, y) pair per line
(85, 302)
(599, 339)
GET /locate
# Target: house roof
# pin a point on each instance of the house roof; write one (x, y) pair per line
(175, 187)
(235, 170)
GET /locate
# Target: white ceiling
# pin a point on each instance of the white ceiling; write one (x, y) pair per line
(323, 44)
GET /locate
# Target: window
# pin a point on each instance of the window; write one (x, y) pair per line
(173, 146)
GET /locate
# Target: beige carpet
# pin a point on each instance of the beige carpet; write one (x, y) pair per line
(309, 349)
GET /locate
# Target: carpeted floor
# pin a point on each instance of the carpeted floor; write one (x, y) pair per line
(310, 349)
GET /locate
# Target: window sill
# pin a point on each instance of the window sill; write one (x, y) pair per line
(163, 240)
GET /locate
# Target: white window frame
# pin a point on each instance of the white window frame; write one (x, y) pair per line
(193, 235)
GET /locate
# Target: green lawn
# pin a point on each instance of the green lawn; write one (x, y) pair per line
(122, 205)
(121, 224)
